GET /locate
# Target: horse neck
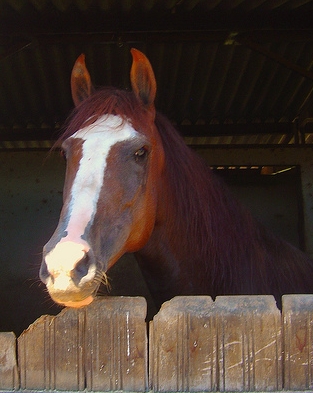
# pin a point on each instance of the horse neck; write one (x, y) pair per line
(201, 232)
(178, 244)
(206, 242)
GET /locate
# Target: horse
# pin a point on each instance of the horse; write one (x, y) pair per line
(133, 186)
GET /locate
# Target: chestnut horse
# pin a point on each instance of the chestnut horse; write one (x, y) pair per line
(133, 186)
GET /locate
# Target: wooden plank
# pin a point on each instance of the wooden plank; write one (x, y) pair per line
(182, 346)
(116, 345)
(100, 347)
(298, 339)
(50, 352)
(33, 357)
(233, 344)
(249, 343)
(9, 378)
(67, 350)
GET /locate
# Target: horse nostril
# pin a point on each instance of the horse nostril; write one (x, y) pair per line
(44, 272)
(81, 269)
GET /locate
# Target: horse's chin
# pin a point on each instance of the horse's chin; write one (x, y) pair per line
(73, 300)
(80, 303)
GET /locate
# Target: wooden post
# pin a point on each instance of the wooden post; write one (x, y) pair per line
(50, 352)
(100, 347)
(233, 344)
(116, 345)
(298, 341)
(249, 343)
(183, 346)
(9, 379)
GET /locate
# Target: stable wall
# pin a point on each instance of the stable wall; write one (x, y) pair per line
(30, 203)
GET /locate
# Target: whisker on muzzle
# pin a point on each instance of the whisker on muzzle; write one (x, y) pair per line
(102, 278)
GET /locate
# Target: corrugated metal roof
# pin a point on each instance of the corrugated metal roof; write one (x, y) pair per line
(227, 71)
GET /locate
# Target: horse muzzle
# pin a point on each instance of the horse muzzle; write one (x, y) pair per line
(69, 272)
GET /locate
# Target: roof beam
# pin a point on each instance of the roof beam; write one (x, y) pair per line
(274, 56)
(40, 134)
(120, 37)
(235, 129)
(13, 48)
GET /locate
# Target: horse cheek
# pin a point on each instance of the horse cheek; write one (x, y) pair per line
(145, 217)
(140, 234)
(143, 221)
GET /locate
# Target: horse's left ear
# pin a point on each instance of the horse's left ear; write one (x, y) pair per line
(81, 85)
(142, 79)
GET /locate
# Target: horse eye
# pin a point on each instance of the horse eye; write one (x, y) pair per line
(63, 154)
(141, 153)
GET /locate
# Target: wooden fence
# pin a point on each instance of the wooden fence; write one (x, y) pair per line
(238, 343)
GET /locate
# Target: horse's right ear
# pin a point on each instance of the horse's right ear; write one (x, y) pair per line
(142, 79)
(81, 85)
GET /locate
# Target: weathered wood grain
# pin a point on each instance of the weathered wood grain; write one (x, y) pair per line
(236, 343)
(233, 344)
(298, 341)
(249, 343)
(116, 345)
(101, 347)
(183, 346)
(9, 378)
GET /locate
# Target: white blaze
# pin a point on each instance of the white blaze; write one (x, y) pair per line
(98, 138)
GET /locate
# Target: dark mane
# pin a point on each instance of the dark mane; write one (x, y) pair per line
(240, 255)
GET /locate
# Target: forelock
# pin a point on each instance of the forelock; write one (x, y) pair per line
(110, 101)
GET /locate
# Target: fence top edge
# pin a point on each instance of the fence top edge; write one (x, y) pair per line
(148, 391)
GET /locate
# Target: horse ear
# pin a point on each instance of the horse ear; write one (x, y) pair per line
(142, 79)
(81, 85)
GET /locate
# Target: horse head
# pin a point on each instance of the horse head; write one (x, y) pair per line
(114, 157)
